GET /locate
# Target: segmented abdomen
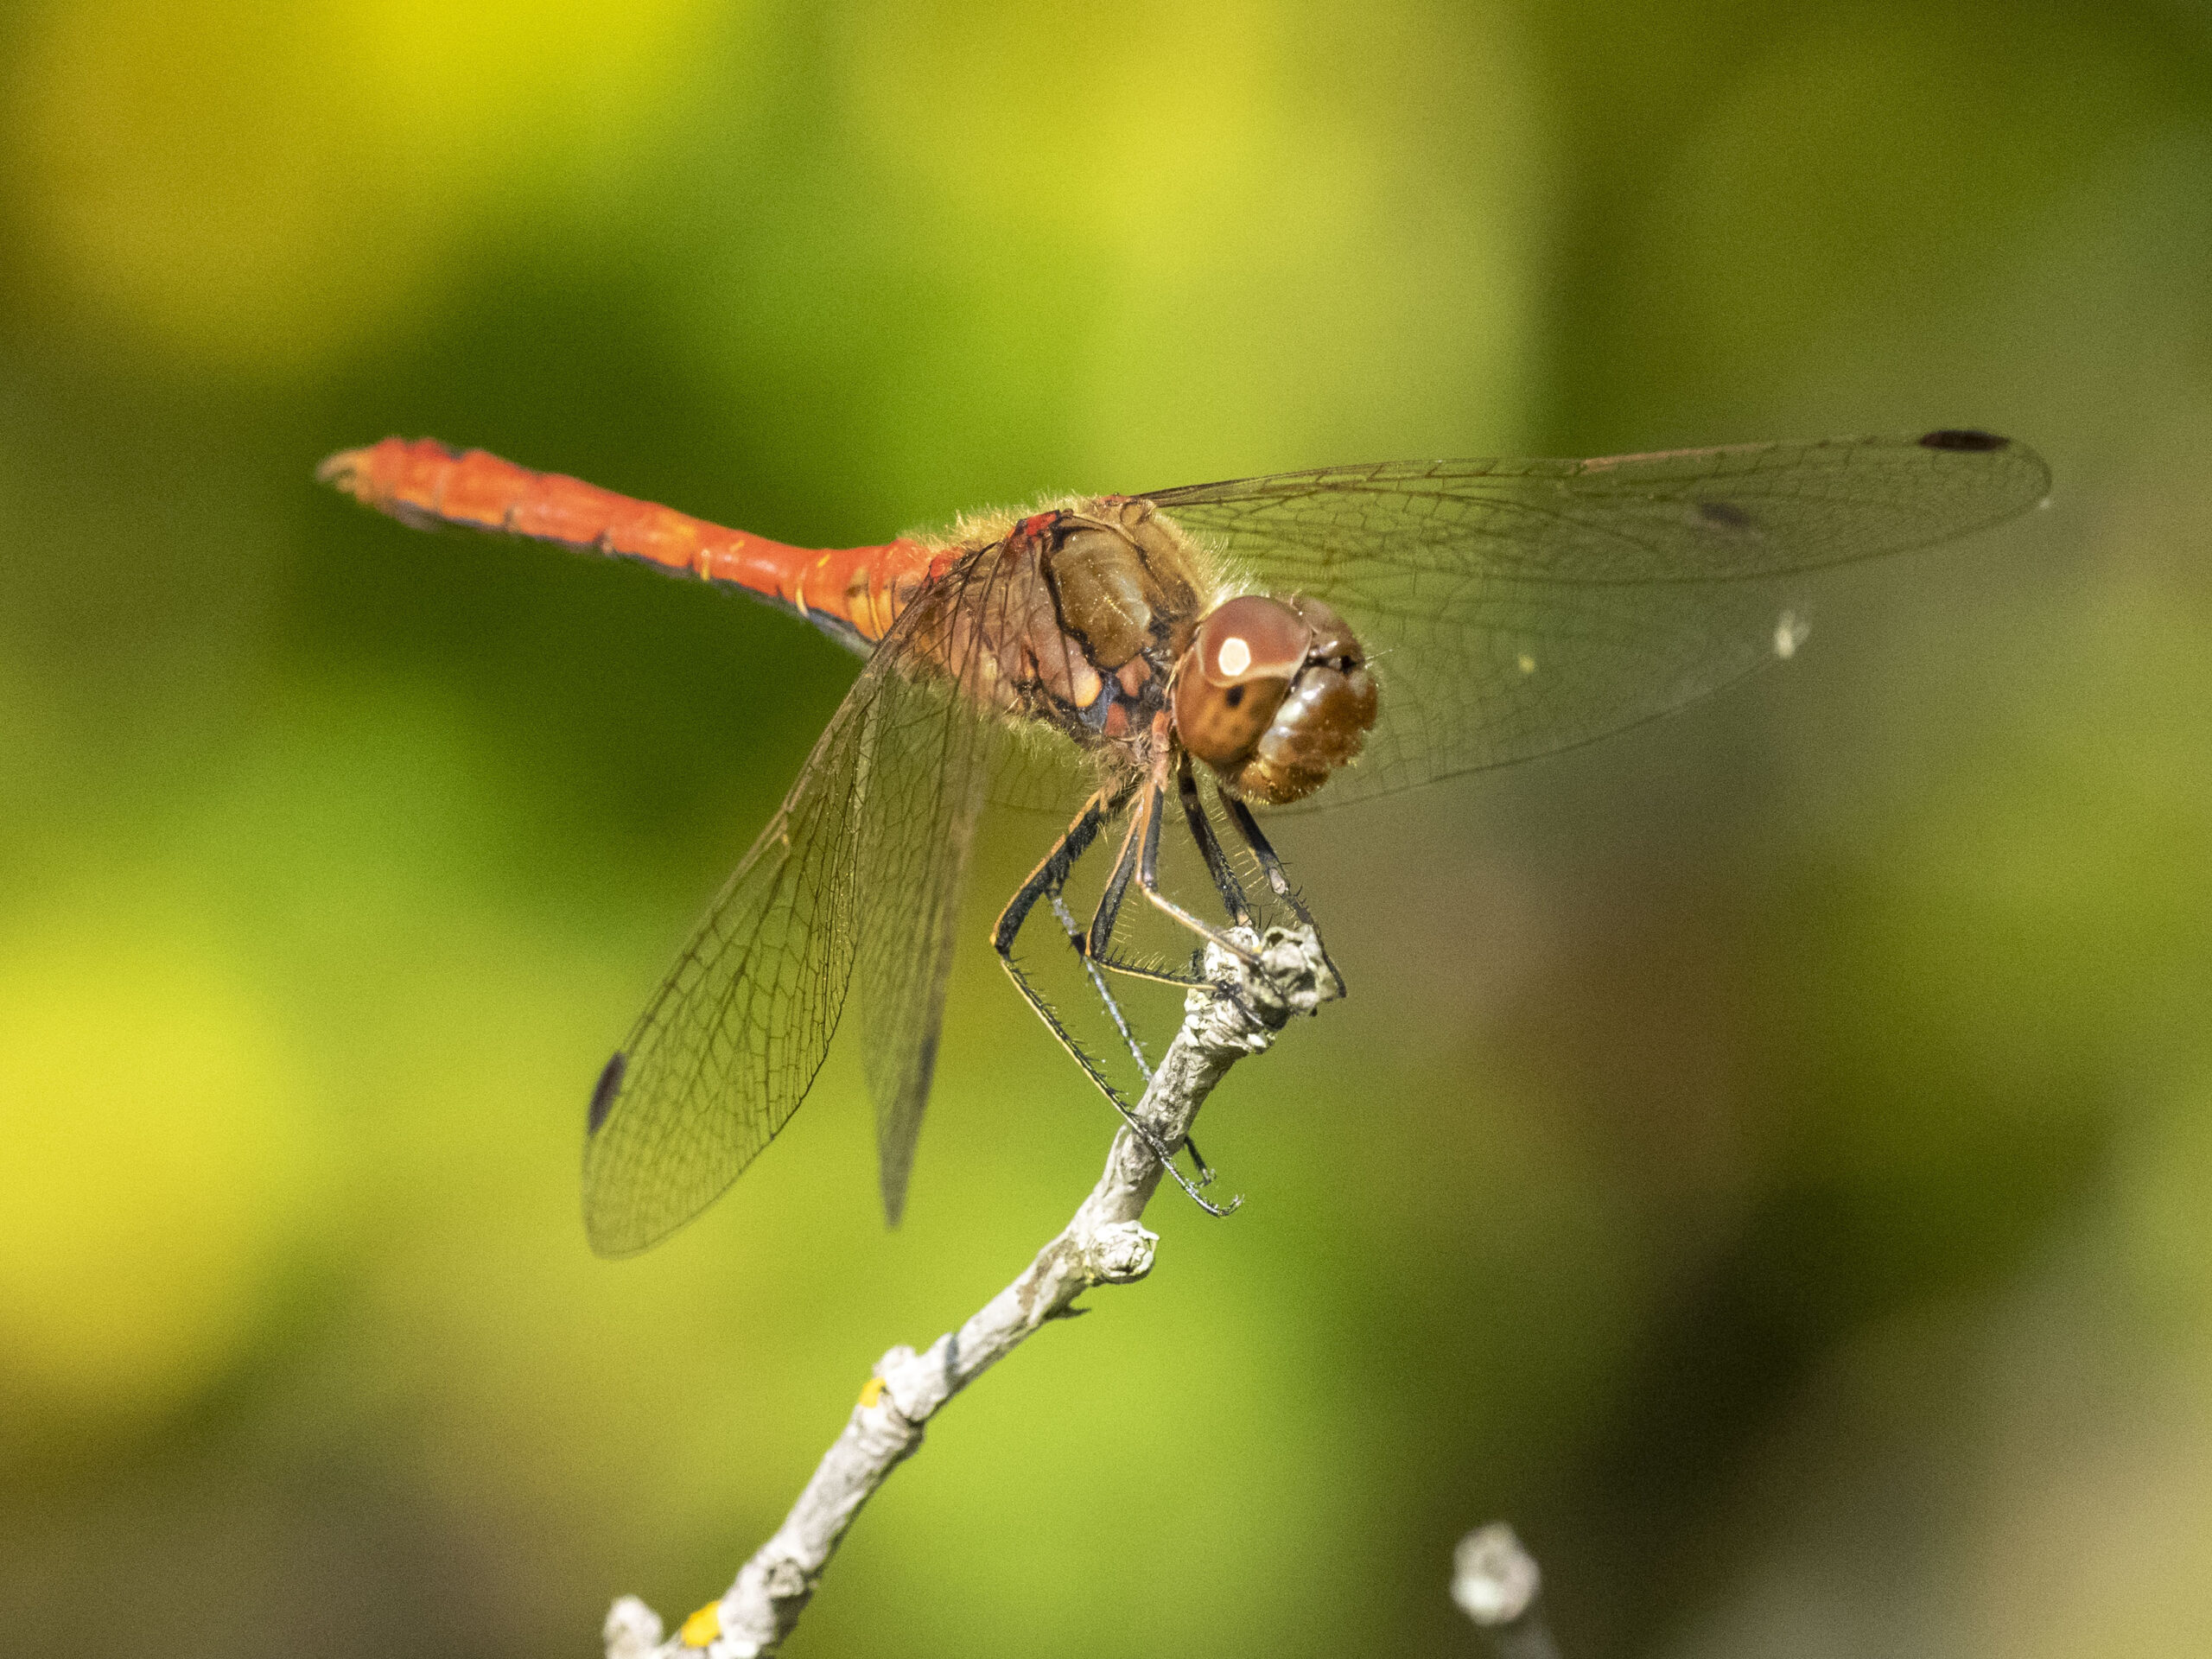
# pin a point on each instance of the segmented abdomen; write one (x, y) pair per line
(855, 592)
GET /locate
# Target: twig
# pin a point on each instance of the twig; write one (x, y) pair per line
(1238, 1014)
(1496, 1583)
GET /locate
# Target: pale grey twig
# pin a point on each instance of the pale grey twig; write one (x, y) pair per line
(1237, 1014)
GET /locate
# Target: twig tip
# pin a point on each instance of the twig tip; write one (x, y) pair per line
(1494, 1579)
(633, 1630)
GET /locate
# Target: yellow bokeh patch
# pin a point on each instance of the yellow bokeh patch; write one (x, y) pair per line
(160, 1163)
(1241, 203)
(254, 188)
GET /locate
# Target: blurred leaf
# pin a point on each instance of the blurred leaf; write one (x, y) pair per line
(260, 189)
(166, 1165)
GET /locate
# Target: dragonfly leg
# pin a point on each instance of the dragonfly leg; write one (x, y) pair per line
(1225, 878)
(1097, 945)
(1050, 876)
(1148, 879)
(1096, 948)
(1271, 866)
(1141, 853)
(1094, 951)
(1052, 870)
(1098, 983)
(1142, 842)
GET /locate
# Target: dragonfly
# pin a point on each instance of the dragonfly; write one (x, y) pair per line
(1303, 638)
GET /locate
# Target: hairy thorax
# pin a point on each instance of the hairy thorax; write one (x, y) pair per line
(1101, 618)
(1075, 616)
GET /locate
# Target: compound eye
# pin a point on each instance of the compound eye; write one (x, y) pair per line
(1251, 639)
(1239, 667)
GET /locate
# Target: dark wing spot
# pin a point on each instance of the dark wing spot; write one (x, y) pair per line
(1236, 695)
(1965, 438)
(1723, 515)
(603, 1092)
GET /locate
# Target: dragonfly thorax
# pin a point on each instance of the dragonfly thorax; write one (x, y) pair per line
(1275, 695)
(1099, 597)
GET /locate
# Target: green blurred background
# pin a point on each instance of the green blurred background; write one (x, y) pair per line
(1767, 1156)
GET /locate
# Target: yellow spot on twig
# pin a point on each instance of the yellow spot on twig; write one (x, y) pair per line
(703, 1627)
(871, 1391)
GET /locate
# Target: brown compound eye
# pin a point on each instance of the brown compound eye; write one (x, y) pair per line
(1233, 677)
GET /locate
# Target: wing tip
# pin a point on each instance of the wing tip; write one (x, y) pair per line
(895, 1160)
(2025, 462)
(895, 1203)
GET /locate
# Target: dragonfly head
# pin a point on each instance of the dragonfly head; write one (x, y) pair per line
(1274, 694)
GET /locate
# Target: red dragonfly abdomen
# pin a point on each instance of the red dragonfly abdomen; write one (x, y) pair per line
(856, 592)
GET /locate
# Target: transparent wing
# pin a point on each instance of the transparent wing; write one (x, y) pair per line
(1516, 607)
(731, 1042)
(914, 858)
(929, 763)
(863, 868)
(1037, 770)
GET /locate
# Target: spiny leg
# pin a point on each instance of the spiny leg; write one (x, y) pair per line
(1140, 849)
(1249, 827)
(1050, 876)
(1098, 982)
(1096, 949)
(1148, 877)
(1052, 872)
(1096, 945)
(1218, 866)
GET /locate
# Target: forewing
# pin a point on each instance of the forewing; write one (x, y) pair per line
(1516, 607)
(731, 1042)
